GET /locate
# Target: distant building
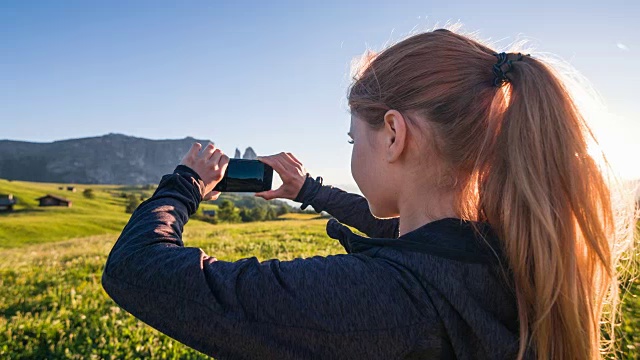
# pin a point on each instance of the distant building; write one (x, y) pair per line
(6, 202)
(71, 188)
(209, 212)
(52, 200)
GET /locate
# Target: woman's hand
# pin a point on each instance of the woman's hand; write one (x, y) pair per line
(292, 173)
(210, 163)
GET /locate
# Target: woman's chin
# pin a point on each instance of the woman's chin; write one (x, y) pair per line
(380, 213)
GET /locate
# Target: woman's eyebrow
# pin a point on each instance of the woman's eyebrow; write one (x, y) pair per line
(349, 133)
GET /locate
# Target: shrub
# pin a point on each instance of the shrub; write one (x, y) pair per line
(88, 193)
(245, 215)
(271, 213)
(283, 209)
(227, 212)
(132, 204)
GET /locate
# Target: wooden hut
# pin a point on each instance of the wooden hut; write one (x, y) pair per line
(53, 200)
(209, 212)
(6, 202)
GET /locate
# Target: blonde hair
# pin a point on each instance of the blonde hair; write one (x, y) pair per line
(521, 159)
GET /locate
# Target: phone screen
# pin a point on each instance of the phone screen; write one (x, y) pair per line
(244, 175)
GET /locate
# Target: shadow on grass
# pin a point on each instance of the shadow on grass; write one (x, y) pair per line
(21, 211)
(321, 217)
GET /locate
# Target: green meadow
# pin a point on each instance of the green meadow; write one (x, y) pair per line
(30, 224)
(52, 305)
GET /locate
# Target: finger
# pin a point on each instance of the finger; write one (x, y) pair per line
(269, 194)
(271, 160)
(285, 168)
(213, 195)
(224, 162)
(301, 169)
(215, 158)
(293, 158)
(221, 167)
(290, 162)
(265, 159)
(195, 149)
(208, 150)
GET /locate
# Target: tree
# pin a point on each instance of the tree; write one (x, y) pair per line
(258, 213)
(245, 215)
(227, 212)
(132, 204)
(283, 209)
(271, 214)
(88, 193)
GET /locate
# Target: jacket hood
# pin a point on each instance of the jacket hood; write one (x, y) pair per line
(451, 238)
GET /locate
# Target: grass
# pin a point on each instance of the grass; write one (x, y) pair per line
(52, 304)
(30, 224)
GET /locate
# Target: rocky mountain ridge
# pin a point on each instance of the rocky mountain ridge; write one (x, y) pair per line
(107, 159)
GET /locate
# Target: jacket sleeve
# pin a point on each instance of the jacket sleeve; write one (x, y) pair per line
(318, 307)
(348, 208)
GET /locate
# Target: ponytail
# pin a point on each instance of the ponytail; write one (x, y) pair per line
(548, 201)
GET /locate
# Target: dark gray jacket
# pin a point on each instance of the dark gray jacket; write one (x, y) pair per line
(437, 292)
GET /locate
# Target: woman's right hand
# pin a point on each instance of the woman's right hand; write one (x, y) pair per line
(292, 173)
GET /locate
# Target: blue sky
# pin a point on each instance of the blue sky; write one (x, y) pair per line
(274, 76)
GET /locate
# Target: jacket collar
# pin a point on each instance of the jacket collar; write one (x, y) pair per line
(450, 238)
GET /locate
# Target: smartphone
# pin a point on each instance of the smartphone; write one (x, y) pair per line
(244, 175)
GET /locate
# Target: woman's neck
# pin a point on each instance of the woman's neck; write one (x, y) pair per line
(419, 208)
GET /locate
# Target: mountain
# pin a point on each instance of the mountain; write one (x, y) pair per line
(249, 154)
(108, 159)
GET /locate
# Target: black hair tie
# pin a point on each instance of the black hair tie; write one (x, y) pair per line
(501, 75)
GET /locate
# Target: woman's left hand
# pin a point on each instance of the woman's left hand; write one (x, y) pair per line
(210, 163)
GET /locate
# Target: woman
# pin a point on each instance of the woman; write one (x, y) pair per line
(505, 247)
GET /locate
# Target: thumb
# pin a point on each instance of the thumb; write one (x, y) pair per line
(213, 195)
(268, 195)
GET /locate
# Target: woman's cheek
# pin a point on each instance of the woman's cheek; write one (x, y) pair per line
(354, 166)
(353, 170)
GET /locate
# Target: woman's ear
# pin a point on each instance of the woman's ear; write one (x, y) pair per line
(394, 134)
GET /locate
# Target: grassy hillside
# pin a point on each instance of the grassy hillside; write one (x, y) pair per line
(30, 223)
(53, 306)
